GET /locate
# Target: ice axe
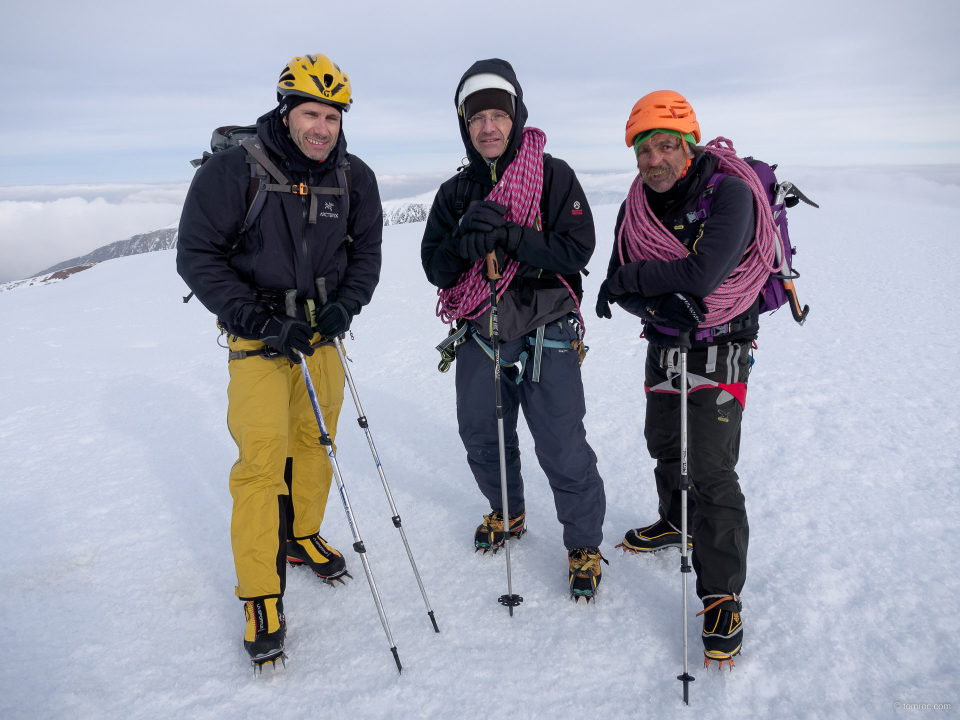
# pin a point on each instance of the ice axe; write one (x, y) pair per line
(789, 194)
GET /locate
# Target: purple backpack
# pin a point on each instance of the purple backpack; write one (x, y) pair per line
(779, 289)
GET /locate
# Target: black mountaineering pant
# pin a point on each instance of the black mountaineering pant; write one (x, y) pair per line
(717, 511)
(554, 410)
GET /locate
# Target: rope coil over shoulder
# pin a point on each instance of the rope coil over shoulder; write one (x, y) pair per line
(643, 237)
(520, 190)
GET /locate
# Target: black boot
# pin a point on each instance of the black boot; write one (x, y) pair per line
(266, 629)
(722, 628)
(489, 534)
(659, 536)
(319, 556)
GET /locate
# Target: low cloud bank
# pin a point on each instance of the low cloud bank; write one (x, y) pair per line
(36, 233)
(41, 226)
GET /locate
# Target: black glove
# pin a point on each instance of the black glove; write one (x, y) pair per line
(333, 319)
(483, 217)
(510, 241)
(287, 335)
(604, 298)
(680, 311)
(476, 245)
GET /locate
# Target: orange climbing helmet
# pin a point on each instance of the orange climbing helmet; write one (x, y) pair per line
(662, 110)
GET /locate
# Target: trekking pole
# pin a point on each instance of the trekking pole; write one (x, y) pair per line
(327, 442)
(362, 421)
(509, 600)
(684, 345)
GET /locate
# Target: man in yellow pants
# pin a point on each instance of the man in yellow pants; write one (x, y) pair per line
(280, 238)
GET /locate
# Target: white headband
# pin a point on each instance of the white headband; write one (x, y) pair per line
(484, 81)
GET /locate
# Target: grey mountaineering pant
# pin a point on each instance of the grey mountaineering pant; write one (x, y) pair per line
(717, 509)
(554, 410)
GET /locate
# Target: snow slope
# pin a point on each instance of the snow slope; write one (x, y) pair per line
(116, 583)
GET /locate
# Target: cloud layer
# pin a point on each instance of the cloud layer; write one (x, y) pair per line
(822, 82)
(36, 234)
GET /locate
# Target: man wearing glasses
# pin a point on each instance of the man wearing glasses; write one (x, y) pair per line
(540, 332)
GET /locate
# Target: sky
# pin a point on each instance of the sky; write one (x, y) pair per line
(109, 93)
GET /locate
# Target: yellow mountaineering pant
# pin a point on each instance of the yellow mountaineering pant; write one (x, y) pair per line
(270, 418)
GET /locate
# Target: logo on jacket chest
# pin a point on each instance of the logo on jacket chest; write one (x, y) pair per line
(327, 213)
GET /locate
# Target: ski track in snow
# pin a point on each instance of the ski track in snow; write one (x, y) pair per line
(117, 577)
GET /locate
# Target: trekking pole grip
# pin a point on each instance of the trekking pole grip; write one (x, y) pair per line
(683, 341)
(493, 272)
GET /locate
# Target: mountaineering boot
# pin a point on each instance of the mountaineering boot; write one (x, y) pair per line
(722, 629)
(489, 534)
(659, 536)
(319, 556)
(585, 572)
(266, 628)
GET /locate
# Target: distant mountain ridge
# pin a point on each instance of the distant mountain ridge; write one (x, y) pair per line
(395, 212)
(162, 239)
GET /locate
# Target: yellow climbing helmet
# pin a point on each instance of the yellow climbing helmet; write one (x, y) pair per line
(316, 77)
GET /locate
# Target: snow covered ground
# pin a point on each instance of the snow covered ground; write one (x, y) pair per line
(116, 581)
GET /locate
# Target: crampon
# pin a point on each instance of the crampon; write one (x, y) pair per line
(489, 534)
(722, 629)
(265, 632)
(585, 573)
(259, 661)
(728, 659)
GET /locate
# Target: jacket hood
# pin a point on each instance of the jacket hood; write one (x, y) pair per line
(276, 137)
(477, 161)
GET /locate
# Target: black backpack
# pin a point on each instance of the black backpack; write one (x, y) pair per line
(262, 168)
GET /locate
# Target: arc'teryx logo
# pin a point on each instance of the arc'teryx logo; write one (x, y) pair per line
(328, 207)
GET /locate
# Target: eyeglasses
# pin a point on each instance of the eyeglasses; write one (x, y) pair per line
(499, 119)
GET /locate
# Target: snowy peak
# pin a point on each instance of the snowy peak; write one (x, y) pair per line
(162, 239)
(408, 210)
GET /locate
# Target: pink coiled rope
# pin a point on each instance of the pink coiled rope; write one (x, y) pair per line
(520, 190)
(643, 237)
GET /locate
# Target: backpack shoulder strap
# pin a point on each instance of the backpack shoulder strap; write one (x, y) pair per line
(706, 198)
(345, 182)
(255, 148)
(458, 199)
(256, 197)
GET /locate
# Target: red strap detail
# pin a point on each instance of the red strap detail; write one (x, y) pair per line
(738, 390)
(646, 388)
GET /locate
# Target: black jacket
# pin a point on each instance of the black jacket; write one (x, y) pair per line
(716, 246)
(281, 250)
(564, 245)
